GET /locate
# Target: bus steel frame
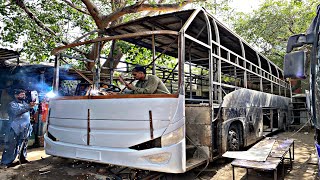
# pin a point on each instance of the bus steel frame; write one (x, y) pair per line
(237, 97)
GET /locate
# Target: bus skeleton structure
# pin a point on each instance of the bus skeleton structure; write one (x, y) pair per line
(224, 96)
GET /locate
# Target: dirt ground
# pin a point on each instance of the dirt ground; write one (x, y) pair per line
(43, 166)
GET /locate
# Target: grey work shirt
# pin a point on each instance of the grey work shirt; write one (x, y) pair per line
(150, 85)
(19, 116)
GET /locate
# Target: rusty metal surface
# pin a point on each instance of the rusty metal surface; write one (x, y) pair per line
(197, 114)
(200, 134)
(198, 126)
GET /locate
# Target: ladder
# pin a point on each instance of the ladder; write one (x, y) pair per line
(300, 112)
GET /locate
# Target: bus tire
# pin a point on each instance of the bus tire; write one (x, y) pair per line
(233, 138)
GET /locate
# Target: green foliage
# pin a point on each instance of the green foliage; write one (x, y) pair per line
(67, 24)
(36, 42)
(143, 56)
(269, 27)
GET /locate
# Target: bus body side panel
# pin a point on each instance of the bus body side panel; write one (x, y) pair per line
(115, 125)
(246, 107)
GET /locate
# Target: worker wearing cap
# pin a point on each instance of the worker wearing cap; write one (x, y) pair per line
(147, 84)
(19, 129)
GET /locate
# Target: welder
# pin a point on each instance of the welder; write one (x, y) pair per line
(18, 131)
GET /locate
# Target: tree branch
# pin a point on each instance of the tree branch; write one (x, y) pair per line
(291, 26)
(94, 12)
(153, 12)
(138, 7)
(75, 7)
(21, 4)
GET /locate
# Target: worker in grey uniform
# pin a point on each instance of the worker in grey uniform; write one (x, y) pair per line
(147, 84)
(19, 130)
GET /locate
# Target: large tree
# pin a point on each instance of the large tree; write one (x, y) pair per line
(269, 27)
(43, 25)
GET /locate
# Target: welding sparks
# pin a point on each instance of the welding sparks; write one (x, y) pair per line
(94, 92)
(50, 94)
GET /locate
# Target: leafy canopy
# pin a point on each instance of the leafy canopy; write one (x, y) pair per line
(269, 27)
(42, 25)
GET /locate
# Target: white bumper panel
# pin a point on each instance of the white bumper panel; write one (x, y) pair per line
(176, 162)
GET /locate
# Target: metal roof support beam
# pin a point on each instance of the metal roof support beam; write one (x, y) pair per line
(77, 58)
(109, 38)
(190, 19)
(197, 41)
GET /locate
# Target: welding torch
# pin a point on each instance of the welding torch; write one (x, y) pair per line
(33, 103)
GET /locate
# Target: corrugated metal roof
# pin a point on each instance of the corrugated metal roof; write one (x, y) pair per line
(172, 21)
(6, 54)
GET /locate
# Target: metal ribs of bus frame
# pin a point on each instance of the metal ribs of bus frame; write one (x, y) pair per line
(210, 51)
(215, 69)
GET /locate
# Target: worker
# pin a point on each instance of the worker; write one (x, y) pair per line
(19, 130)
(147, 84)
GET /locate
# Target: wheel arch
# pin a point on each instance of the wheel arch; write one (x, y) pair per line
(240, 123)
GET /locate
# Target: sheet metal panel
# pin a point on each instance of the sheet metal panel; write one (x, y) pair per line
(259, 152)
(113, 122)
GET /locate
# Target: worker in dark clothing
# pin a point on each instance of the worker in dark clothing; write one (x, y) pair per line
(147, 84)
(19, 130)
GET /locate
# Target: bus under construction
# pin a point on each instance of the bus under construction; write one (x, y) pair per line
(224, 96)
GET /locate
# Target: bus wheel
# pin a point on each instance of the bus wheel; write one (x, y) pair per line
(233, 139)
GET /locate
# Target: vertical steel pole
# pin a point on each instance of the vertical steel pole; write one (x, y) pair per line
(111, 61)
(56, 74)
(181, 58)
(97, 66)
(153, 56)
(190, 74)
